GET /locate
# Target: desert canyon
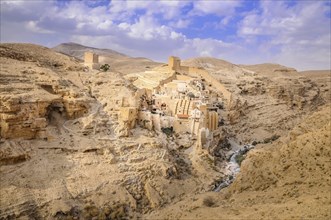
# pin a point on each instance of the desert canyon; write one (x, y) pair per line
(90, 133)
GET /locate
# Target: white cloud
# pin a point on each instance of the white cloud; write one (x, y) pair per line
(33, 26)
(122, 10)
(22, 11)
(220, 8)
(181, 23)
(205, 47)
(300, 33)
(145, 28)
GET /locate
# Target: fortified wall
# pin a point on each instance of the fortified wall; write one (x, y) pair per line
(175, 65)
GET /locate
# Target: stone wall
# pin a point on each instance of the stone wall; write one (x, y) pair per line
(129, 115)
(174, 64)
(194, 71)
(182, 126)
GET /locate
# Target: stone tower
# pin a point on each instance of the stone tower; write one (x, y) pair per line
(91, 60)
(174, 63)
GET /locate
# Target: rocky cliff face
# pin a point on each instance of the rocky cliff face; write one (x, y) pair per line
(297, 93)
(32, 89)
(26, 120)
(113, 92)
(268, 99)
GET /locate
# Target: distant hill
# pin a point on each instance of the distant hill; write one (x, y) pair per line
(316, 73)
(78, 50)
(208, 63)
(44, 56)
(117, 61)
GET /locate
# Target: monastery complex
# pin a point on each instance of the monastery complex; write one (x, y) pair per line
(174, 99)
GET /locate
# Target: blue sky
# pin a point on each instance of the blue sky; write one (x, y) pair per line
(292, 33)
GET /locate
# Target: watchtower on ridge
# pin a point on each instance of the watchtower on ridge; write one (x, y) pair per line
(91, 60)
(174, 63)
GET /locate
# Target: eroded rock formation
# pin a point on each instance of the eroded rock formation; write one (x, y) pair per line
(32, 90)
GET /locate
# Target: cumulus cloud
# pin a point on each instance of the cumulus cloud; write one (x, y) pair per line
(33, 26)
(299, 33)
(166, 9)
(22, 11)
(219, 8)
(181, 23)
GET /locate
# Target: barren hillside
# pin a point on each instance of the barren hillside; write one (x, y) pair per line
(78, 50)
(117, 61)
(272, 98)
(323, 79)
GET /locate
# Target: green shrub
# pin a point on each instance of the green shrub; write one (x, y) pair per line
(240, 158)
(208, 201)
(105, 67)
(168, 131)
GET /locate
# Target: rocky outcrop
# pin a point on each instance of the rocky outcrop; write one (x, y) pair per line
(21, 118)
(32, 90)
(237, 109)
(27, 112)
(299, 94)
(115, 94)
(12, 152)
(153, 196)
(294, 169)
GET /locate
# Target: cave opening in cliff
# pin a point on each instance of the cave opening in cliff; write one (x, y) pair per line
(55, 114)
(48, 88)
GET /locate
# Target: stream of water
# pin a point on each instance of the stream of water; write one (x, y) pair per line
(232, 167)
